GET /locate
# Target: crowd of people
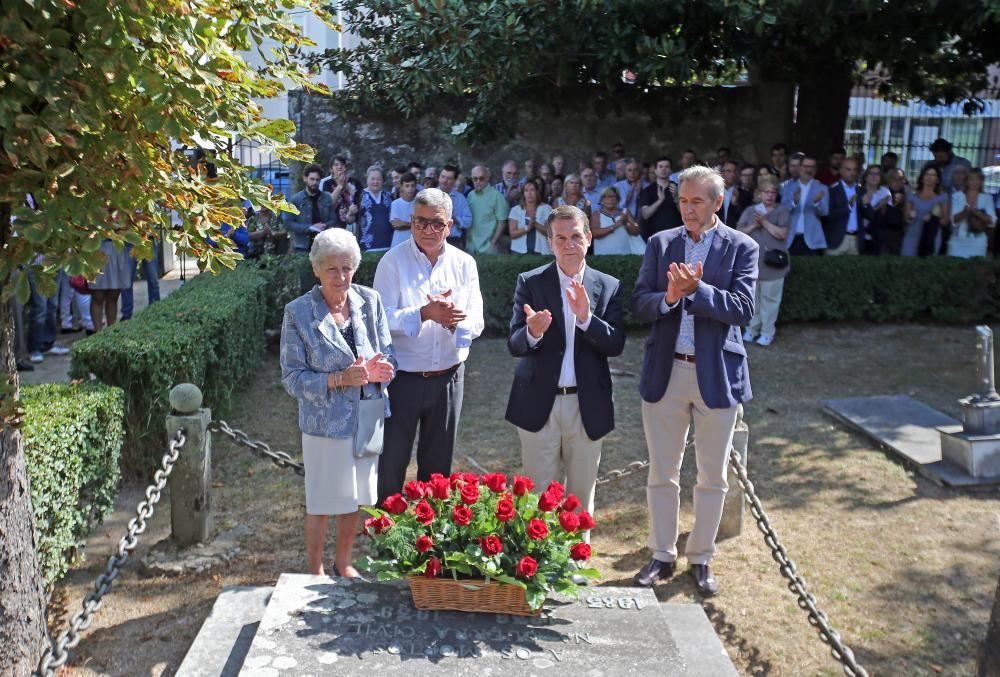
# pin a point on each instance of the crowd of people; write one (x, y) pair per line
(377, 370)
(792, 206)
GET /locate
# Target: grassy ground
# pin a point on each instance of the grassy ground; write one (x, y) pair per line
(905, 569)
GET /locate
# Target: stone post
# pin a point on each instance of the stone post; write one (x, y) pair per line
(732, 510)
(191, 479)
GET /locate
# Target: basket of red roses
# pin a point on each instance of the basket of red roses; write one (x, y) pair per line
(473, 543)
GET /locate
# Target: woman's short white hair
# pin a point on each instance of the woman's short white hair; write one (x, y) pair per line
(706, 175)
(334, 242)
(436, 199)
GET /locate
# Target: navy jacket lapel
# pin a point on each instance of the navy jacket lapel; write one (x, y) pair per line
(552, 290)
(720, 242)
(592, 283)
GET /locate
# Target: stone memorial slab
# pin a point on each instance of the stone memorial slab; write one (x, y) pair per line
(316, 625)
(225, 636)
(909, 429)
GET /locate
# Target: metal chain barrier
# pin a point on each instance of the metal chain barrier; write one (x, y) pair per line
(57, 654)
(634, 466)
(279, 458)
(806, 601)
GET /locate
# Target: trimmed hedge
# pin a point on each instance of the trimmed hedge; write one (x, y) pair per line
(209, 332)
(72, 440)
(866, 288)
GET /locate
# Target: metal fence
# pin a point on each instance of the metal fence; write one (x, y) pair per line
(875, 126)
(267, 167)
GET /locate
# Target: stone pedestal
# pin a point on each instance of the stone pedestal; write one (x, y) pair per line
(191, 479)
(978, 455)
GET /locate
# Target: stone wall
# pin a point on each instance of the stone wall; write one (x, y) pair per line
(747, 119)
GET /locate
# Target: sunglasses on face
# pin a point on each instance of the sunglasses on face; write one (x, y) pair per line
(423, 224)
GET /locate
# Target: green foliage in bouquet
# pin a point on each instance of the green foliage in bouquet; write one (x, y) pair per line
(473, 526)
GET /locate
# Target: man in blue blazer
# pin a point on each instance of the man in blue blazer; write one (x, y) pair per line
(809, 201)
(696, 288)
(567, 322)
(845, 229)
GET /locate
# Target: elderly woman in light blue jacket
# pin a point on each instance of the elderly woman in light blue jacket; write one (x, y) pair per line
(335, 352)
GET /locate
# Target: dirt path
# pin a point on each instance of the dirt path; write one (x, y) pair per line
(906, 570)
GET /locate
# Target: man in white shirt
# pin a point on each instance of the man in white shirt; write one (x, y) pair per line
(567, 322)
(508, 187)
(402, 208)
(431, 294)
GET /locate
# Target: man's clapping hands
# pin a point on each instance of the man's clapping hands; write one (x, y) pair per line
(442, 310)
(682, 280)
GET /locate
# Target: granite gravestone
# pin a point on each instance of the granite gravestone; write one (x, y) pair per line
(316, 625)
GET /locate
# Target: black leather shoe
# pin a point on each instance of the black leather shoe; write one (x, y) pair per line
(647, 576)
(704, 580)
(25, 366)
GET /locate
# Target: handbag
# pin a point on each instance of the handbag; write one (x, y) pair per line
(79, 284)
(776, 258)
(371, 426)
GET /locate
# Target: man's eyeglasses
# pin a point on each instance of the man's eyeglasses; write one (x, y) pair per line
(423, 224)
(478, 178)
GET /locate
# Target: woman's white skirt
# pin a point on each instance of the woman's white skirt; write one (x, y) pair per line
(337, 482)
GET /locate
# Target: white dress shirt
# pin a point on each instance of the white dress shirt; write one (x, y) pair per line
(404, 278)
(567, 374)
(852, 219)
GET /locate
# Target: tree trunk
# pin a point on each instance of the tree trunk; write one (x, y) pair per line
(989, 652)
(22, 592)
(823, 101)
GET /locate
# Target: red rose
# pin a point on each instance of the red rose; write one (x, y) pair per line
(461, 515)
(556, 490)
(439, 486)
(395, 504)
(548, 501)
(571, 503)
(522, 485)
(527, 567)
(537, 529)
(491, 545)
(496, 481)
(424, 512)
(470, 494)
(415, 490)
(580, 552)
(378, 524)
(424, 543)
(433, 567)
(456, 480)
(471, 478)
(505, 510)
(586, 521)
(569, 521)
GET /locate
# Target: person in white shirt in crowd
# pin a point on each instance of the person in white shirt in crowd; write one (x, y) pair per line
(688, 159)
(461, 213)
(631, 186)
(767, 222)
(794, 167)
(591, 191)
(435, 309)
(526, 221)
(614, 228)
(973, 218)
(402, 208)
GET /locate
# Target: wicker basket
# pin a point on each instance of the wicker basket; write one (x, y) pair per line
(474, 595)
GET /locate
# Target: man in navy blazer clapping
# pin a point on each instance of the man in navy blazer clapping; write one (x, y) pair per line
(696, 287)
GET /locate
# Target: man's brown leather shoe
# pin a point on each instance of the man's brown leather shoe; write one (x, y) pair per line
(648, 575)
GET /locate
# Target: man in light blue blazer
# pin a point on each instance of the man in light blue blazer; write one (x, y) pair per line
(809, 201)
(696, 288)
